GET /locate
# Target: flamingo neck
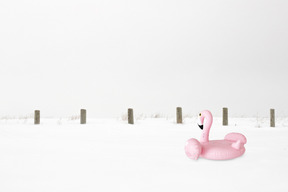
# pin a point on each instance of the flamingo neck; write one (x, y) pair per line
(206, 129)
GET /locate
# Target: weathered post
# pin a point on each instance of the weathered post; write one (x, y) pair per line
(83, 116)
(225, 116)
(37, 117)
(272, 117)
(179, 115)
(130, 116)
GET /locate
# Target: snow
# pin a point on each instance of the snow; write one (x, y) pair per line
(111, 155)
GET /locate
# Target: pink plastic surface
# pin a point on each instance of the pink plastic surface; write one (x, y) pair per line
(231, 147)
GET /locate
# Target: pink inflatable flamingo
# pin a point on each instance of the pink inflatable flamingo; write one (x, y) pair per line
(231, 147)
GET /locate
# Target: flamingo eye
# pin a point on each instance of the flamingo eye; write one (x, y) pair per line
(199, 114)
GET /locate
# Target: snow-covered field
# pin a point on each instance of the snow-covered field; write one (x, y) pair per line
(110, 155)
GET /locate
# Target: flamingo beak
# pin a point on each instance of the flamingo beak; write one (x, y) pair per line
(200, 122)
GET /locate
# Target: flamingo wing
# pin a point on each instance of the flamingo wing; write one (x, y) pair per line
(193, 149)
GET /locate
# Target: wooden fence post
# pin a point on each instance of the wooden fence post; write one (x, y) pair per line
(37, 117)
(272, 117)
(225, 116)
(179, 115)
(130, 116)
(83, 116)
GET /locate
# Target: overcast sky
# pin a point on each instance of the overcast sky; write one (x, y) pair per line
(154, 55)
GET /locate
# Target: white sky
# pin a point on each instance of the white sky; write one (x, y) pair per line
(154, 55)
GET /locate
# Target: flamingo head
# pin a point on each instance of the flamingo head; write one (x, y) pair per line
(204, 115)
